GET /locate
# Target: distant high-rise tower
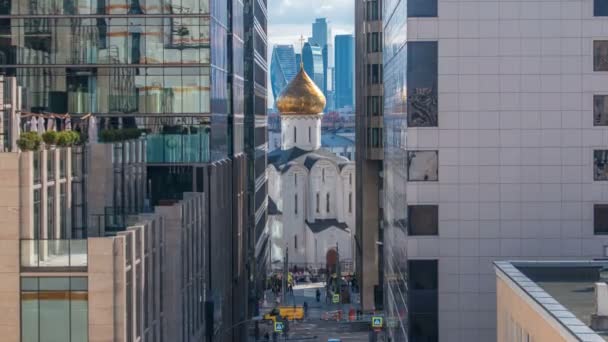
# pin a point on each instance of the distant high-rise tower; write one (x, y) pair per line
(320, 32)
(283, 68)
(345, 70)
(312, 57)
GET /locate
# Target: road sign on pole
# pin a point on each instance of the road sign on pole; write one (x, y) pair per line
(377, 322)
(279, 327)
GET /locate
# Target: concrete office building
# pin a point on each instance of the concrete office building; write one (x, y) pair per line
(369, 123)
(495, 129)
(551, 300)
(345, 70)
(116, 277)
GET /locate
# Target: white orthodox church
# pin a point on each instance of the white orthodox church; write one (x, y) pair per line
(311, 190)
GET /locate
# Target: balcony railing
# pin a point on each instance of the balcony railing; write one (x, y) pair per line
(51, 254)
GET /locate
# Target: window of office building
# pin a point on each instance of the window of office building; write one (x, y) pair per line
(600, 219)
(600, 8)
(422, 166)
(600, 165)
(600, 110)
(374, 105)
(422, 8)
(423, 219)
(372, 10)
(374, 42)
(423, 300)
(37, 214)
(374, 137)
(50, 212)
(374, 73)
(63, 208)
(50, 165)
(422, 76)
(54, 309)
(600, 55)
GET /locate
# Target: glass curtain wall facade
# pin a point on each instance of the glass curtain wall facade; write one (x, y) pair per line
(395, 168)
(312, 57)
(54, 309)
(147, 63)
(256, 140)
(283, 68)
(345, 71)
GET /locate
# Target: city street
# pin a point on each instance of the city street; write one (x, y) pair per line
(314, 327)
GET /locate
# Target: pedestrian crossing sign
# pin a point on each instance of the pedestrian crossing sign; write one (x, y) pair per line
(279, 327)
(336, 299)
(377, 322)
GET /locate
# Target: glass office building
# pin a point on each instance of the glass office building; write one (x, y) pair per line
(148, 64)
(345, 70)
(283, 68)
(256, 145)
(312, 58)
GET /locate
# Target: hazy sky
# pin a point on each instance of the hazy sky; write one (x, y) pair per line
(289, 19)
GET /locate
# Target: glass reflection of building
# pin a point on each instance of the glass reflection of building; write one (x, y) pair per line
(144, 63)
(282, 68)
(312, 58)
(395, 169)
(173, 67)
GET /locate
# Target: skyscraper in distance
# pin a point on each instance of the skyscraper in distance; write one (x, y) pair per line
(312, 57)
(283, 67)
(320, 32)
(298, 60)
(345, 70)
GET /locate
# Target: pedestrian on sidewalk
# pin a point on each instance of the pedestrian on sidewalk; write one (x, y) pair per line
(318, 295)
(305, 309)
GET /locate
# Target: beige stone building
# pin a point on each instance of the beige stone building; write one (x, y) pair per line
(83, 258)
(551, 301)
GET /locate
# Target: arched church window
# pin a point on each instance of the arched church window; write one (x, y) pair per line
(350, 179)
(295, 135)
(296, 204)
(318, 200)
(327, 202)
(295, 179)
(295, 241)
(323, 175)
(309, 135)
(350, 202)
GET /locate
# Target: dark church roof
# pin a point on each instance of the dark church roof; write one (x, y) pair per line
(321, 225)
(281, 159)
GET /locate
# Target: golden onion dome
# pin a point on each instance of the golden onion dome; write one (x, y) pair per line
(301, 96)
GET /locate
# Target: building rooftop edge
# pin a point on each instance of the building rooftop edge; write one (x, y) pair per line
(558, 312)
